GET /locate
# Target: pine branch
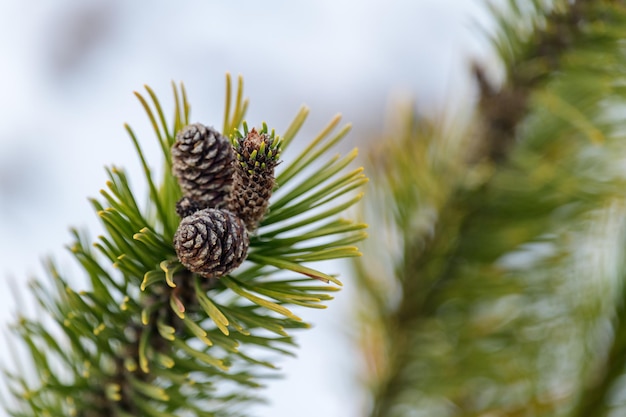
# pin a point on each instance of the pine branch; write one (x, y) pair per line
(545, 166)
(149, 336)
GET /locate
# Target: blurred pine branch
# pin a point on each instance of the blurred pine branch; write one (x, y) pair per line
(495, 284)
(147, 337)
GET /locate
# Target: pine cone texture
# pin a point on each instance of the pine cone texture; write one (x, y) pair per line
(202, 160)
(211, 242)
(186, 207)
(253, 180)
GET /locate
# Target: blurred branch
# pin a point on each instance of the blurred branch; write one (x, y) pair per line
(596, 395)
(529, 174)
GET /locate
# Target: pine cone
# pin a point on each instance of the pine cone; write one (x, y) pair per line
(253, 181)
(211, 242)
(202, 160)
(186, 207)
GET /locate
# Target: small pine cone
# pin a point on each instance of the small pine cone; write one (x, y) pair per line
(186, 207)
(202, 160)
(253, 181)
(211, 242)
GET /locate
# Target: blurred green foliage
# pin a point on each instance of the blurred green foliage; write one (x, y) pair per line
(494, 283)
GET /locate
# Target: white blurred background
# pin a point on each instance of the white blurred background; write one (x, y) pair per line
(68, 69)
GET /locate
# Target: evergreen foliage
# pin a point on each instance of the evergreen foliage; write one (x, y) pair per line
(503, 291)
(150, 338)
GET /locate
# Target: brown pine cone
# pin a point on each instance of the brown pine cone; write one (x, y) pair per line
(211, 242)
(202, 160)
(253, 181)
